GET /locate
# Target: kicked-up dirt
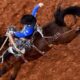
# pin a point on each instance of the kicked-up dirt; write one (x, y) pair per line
(62, 62)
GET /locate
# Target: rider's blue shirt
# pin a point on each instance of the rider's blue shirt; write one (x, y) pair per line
(27, 30)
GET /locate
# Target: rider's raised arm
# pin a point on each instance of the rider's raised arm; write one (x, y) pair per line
(58, 5)
(36, 8)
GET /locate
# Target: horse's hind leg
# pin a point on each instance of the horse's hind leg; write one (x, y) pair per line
(68, 35)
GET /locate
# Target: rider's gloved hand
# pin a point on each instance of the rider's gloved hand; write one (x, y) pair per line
(41, 4)
(11, 29)
(10, 32)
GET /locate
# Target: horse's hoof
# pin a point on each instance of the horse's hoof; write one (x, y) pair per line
(50, 45)
(42, 52)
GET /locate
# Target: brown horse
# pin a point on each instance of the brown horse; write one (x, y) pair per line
(51, 29)
(55, 35)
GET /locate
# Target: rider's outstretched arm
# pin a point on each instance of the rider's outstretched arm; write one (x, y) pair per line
(36, 8)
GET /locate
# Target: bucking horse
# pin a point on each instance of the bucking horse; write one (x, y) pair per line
(54, 32)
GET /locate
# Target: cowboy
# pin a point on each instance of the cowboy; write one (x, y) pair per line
(29, 22)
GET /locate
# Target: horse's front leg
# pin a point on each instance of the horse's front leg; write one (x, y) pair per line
(5, 67)
(15, 71)
(24, 59)
(41, 52)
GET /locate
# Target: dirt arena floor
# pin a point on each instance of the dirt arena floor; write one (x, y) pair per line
(62, 62)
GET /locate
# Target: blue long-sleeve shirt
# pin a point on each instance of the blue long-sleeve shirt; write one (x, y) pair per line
(27, 30)
(35, 10)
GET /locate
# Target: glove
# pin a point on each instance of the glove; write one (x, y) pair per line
(41, 4)
(11, 29)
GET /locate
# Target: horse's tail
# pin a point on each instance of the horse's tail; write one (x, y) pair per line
(60, 14)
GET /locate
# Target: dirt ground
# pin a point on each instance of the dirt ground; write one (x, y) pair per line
(62, 62)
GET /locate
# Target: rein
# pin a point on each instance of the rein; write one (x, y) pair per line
(3, 43)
